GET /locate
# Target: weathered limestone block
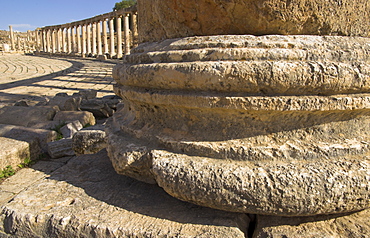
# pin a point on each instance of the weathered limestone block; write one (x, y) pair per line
(42, 136)
(89, 141)
(85, 118)
(98, 107)
(60, 148)
(86, 94)
(273, 125)
(25, 116)
(13, 152)
(164, 19)
(66, 103)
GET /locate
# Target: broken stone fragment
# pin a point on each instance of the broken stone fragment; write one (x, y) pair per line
(66, 103)
(98, 107)
(85, 118)
(89, 141)
(87, 94)
(70, 129)
(60, 148)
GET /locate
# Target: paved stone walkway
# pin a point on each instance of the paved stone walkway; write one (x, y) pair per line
(33, 77)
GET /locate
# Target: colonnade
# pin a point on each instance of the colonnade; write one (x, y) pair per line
(111, 35)
(21, 41)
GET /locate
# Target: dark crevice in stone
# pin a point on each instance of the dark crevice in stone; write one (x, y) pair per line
(252, 225)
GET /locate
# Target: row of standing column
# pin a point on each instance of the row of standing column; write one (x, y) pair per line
(90, 39)
(25, 42)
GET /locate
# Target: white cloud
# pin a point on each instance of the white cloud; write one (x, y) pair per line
(21, 25)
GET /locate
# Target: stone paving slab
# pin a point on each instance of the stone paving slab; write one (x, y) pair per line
(86, 198)
(34, 77)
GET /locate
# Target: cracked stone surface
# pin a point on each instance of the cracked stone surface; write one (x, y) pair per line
(86, 196)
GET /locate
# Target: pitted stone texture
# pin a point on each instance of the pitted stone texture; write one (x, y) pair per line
(87, 198)
(288, 189)
(351, 225)
(89, 141)
(265, 65)
(170, 19)
(188, 123)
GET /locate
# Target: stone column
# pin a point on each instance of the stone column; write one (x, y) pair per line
(111, 32)
(12, 37)
(64, 45)
(119, 37)
(84, 40)
(94, 38)
(127, 34)
(100, 51)
(78, 37)
(105, 37)
(134, 29)
(69, 39)
(18, 43)
(44, 44)
(74, 48)
(53, 43)
(48, 41)
(89, 39)
(37, 40)
(59, 40)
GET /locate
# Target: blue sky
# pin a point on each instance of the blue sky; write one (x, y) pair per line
(26, 15)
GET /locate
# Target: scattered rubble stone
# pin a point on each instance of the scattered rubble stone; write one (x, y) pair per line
(22, 103)
(60, 148)
(89, 141)
(70, 129)
(24, 116)
(85, 118)
(98, 107)
(27, 134)
(66, 103)
(87, 94)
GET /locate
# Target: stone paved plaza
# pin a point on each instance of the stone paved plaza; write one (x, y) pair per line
(33, 77)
